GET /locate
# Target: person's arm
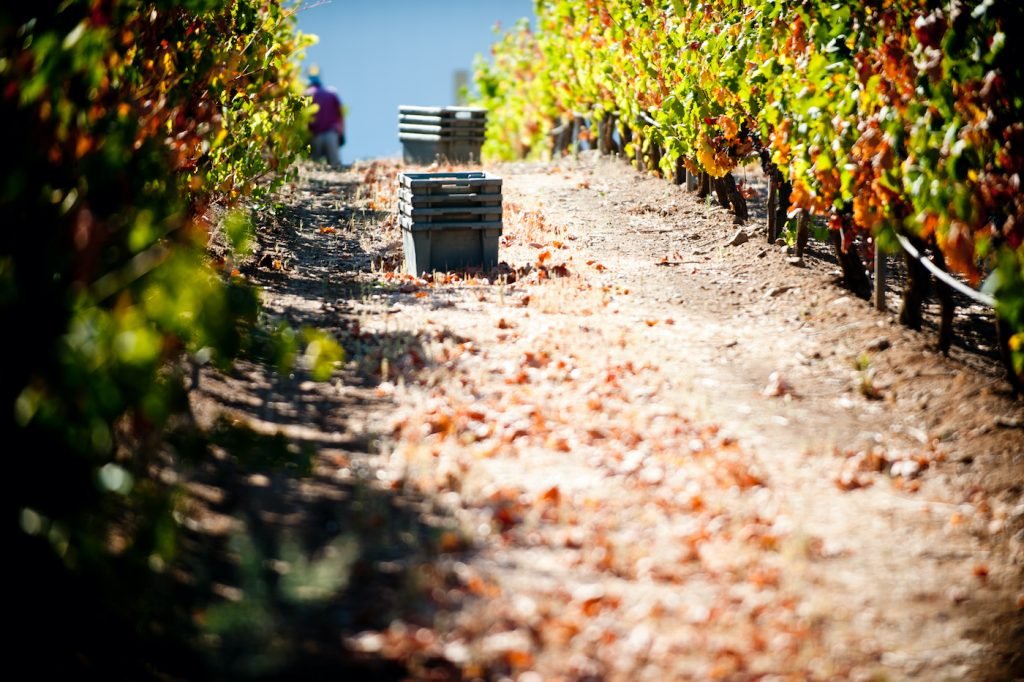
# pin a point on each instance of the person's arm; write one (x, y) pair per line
(341, 123)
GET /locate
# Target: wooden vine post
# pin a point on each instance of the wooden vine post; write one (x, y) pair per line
(779, 190)
(704, 185)
(803, 230)
(880, 275)
(679, 172)
(691, 181)
(638, 151)
(855, 276)
(604, 133)
(575, 136)
(729, 196)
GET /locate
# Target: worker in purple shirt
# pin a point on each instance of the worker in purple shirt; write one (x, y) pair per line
(328, 124)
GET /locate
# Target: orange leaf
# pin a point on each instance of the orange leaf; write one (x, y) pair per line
(552, 494)
(592, 607)
(278, 265)
(544, 257)
(450, 541)
(651, 323)
(518, 378)
(557, 443)
(327, 230)
(762, 577)
(519, 659)
(83, 145)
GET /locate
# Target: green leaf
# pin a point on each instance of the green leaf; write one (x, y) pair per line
(239, 230)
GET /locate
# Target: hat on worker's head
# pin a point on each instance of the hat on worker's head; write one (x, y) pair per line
(314, 76)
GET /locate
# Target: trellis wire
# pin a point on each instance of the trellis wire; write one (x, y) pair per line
(944, 277)
(939, 274)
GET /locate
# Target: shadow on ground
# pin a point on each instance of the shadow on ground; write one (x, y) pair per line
(285, 541)
(293, 542)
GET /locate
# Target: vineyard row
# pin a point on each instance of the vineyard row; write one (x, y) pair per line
(886, 120)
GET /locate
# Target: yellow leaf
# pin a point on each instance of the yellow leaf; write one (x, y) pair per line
(729, 127)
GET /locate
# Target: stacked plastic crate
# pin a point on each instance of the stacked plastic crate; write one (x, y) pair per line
(453, 134)
(450, 221)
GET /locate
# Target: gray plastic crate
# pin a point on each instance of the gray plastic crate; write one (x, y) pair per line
(451, 214)
(445, 121)
(449, 220)
(456, 182)
(443, 130)
(419, 151)
(416, 201)
(465, 150)
(422, 149)
(442, 250)
(453, 134)
(453, 112)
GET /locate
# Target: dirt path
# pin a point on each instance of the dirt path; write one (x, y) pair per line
(639, 453)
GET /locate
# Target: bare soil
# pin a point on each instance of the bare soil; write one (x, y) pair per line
(633, 452)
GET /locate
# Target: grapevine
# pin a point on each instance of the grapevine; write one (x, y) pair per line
(127, 121)
(880, 118)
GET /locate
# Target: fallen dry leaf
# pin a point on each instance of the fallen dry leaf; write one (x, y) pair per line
(450, 541)
(777, 386)
(552, 494)
(519, 658)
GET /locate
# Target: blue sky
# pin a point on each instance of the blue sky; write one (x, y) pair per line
(379, 54)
